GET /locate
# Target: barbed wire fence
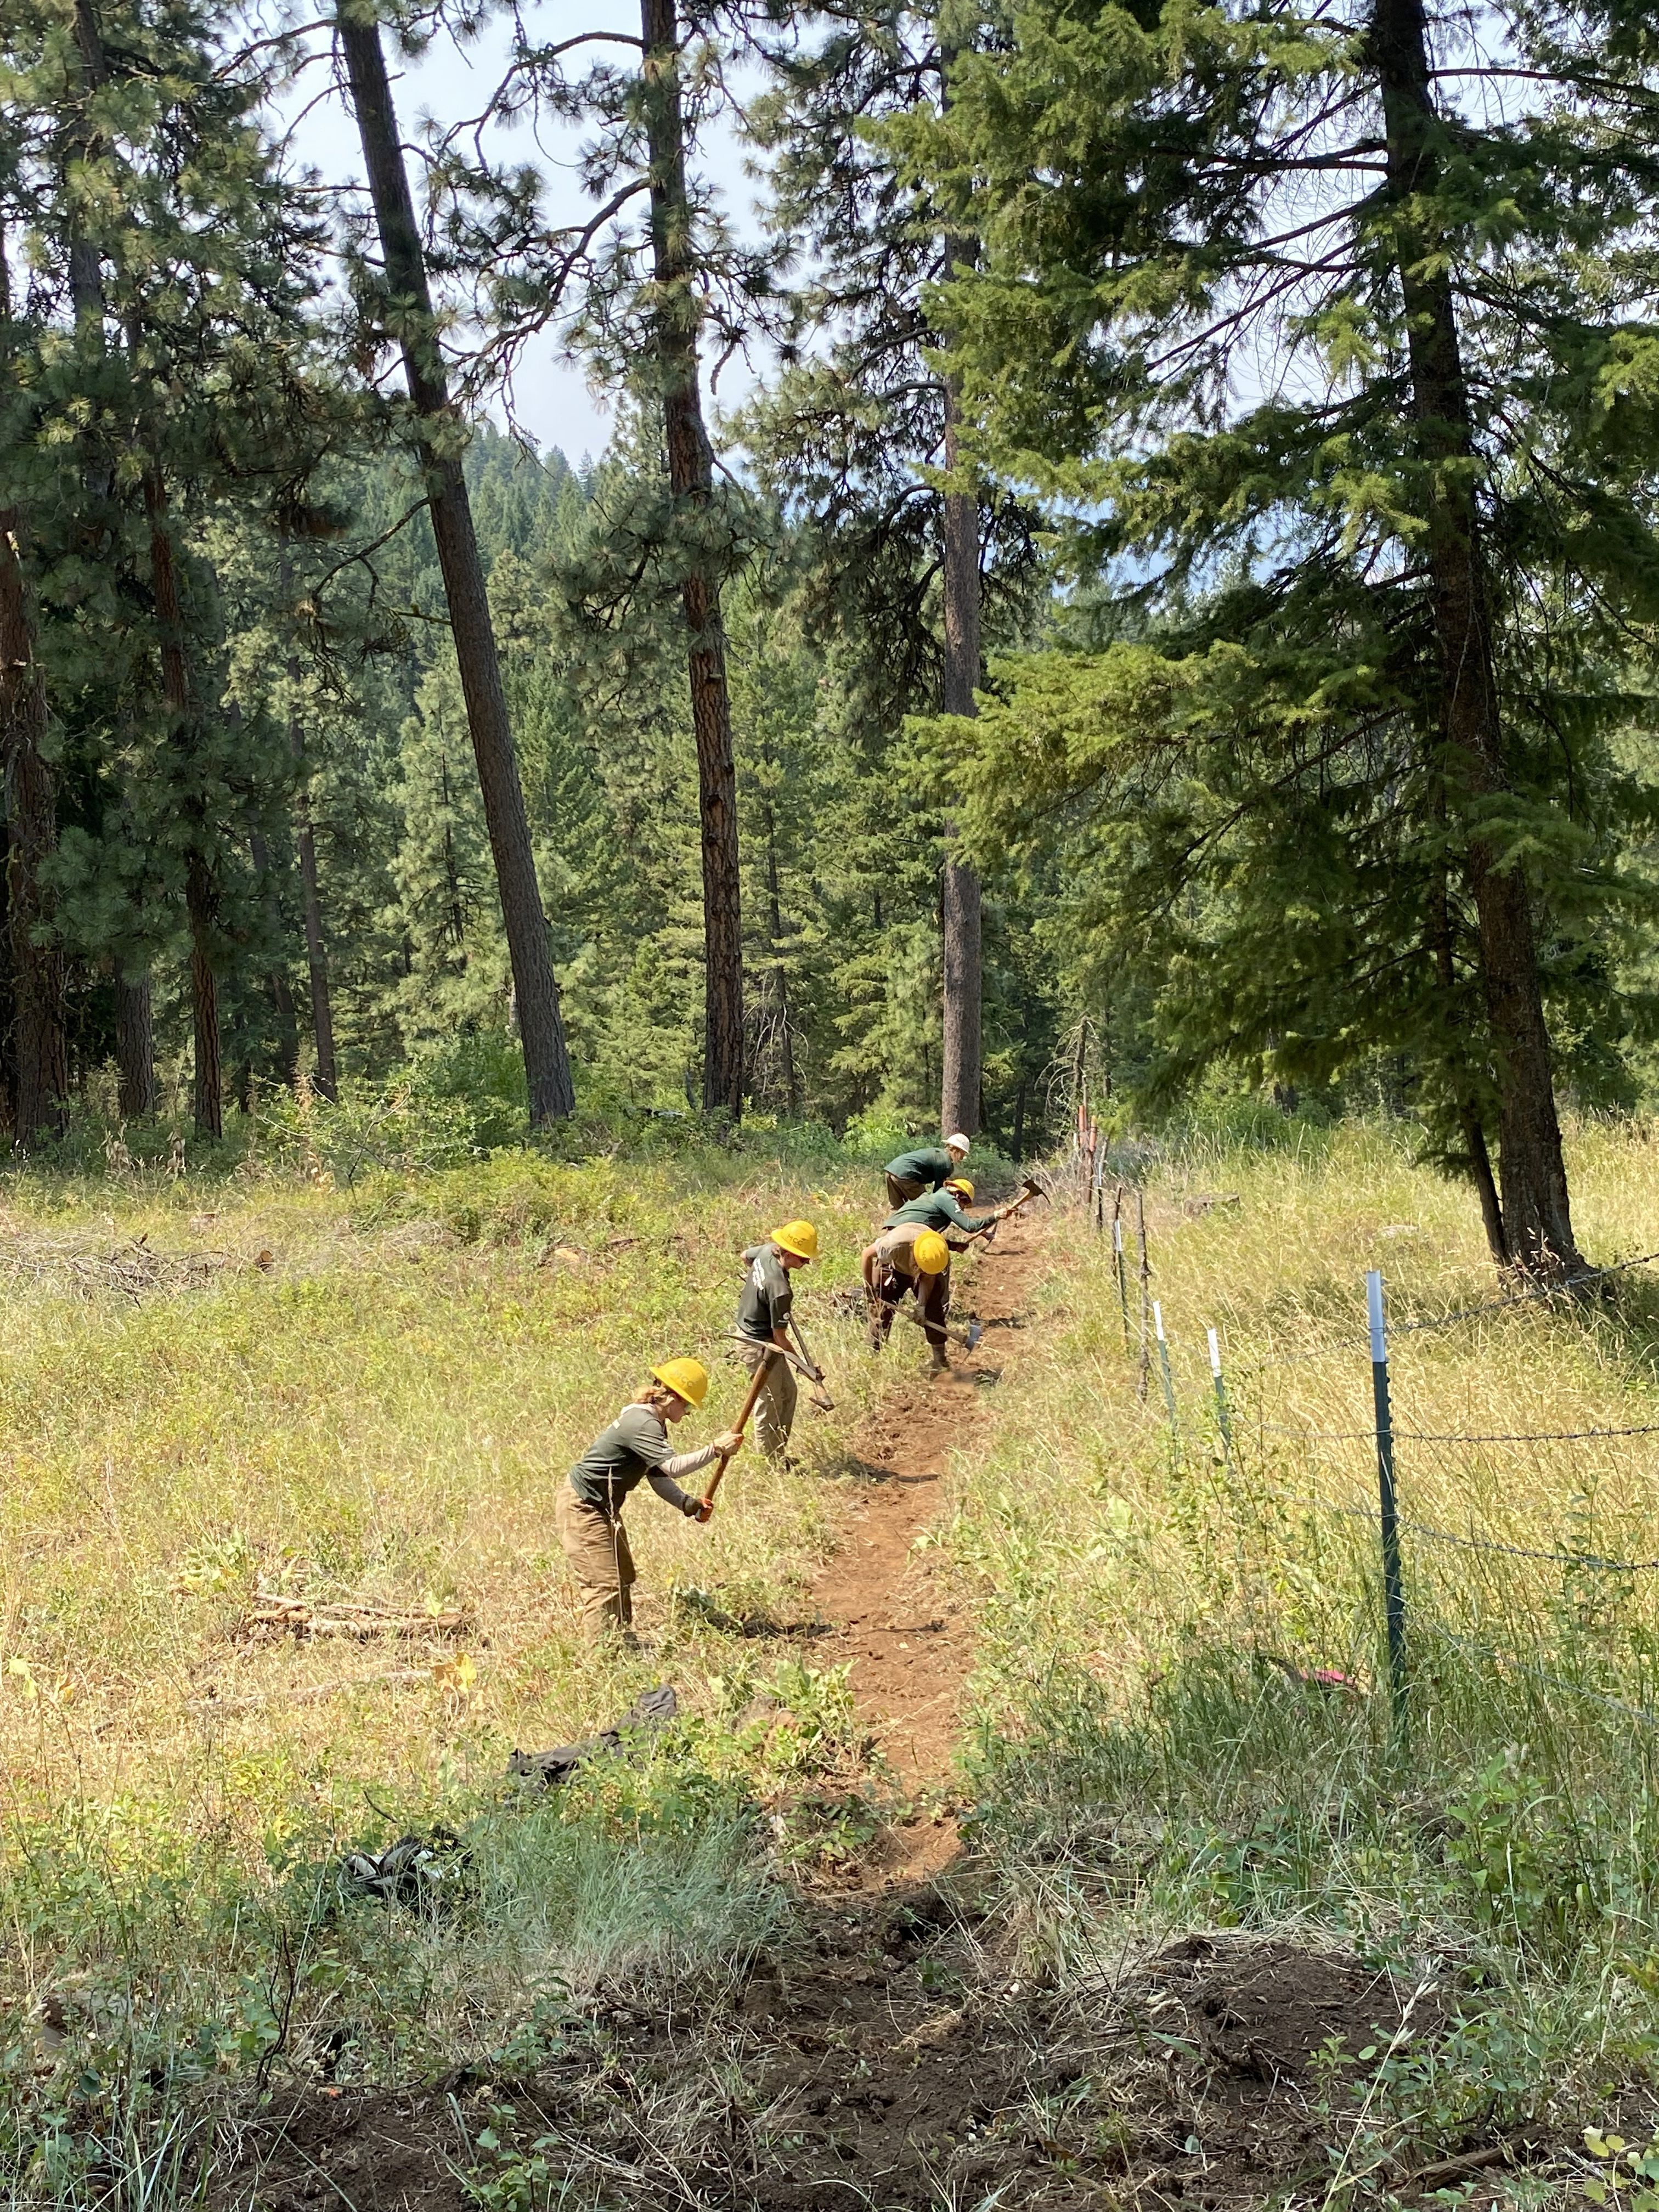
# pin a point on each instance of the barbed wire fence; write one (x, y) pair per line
(1393, 1529)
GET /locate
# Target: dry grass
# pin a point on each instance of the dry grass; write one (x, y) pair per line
(1107, 1540)
(369, 1396)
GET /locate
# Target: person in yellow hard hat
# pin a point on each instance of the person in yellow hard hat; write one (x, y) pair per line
(632, 1449)
(910, 1256)
(764, 1312)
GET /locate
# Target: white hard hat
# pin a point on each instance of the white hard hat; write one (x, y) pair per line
(958, 1144)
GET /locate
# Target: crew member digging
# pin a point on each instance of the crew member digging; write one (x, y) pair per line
(763, 1318)
(942, 1209)
(633, 1448)
(912, 1173)
(910, 1257)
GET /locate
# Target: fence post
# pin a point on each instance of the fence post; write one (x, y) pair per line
(1393, 1595)
(1117, 1262)
(1145, 1294)
(1164, 1363)
(1222, 1414)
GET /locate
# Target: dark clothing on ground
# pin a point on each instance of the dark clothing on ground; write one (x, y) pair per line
(768, 1296)
(925, 1168)
(635, 1449)
(936, 1209)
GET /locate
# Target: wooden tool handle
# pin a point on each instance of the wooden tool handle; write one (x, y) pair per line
(762, 1368)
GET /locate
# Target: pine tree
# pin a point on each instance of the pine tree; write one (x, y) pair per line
(861, 436)
(1432, 488)
(409, 317)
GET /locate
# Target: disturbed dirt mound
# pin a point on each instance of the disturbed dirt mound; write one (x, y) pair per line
(884, 2057)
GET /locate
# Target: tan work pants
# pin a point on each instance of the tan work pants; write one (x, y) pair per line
(775, 1408)
(601, 1564)
(901, 1190)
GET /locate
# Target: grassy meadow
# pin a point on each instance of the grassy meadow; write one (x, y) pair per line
(288, 1378)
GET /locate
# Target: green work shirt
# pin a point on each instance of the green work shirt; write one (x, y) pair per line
(935, 1209)
(932, 1165)
(635, 1449)
(767, 1295)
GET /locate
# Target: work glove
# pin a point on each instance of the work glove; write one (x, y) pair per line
(729, 1441)
(705, 1511)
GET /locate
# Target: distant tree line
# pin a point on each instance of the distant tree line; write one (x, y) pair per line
(1189, 563)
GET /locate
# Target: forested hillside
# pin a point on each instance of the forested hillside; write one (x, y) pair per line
(1075, 650)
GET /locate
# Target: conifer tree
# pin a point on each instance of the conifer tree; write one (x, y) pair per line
(1383, 560)
(410, 319)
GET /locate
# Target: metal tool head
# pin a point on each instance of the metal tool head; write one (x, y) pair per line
(1029, 1183)
(975, 1330)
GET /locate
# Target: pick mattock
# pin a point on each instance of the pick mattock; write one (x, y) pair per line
(757, 1384)
(817, 1396)
(1030, 1188)
(968, 1337)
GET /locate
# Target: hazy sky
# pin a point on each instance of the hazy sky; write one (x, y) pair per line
(551, 399)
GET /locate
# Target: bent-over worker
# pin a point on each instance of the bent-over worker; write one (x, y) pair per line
(633, 1448)
(925, 1168)
(911, 1257)
(764, 1310)
(941, 1209)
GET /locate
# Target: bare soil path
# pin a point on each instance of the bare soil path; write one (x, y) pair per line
(909, 1641)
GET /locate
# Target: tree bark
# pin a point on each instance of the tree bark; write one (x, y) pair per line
(963, 1056)
(281, 992)
(201, 891)
(438, 440)
(326, 1077)
(135, 1045)
(40, 1052)
(692, 481)
(1536, 1215)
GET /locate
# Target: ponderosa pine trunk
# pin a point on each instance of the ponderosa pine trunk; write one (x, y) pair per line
(1537, 1220)
(39, 1042)
(135, 1045)
(135, 1031)
(326, 1077)
(201, 890)
(692, 481)
(964, 1053)
(281, 991)
(439, 437)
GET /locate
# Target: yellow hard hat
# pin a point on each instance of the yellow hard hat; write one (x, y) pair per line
(962, 1187)
(686, 1378)
(933, 1253)
(799, 1237)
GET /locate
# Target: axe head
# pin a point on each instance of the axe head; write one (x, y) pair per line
(1033, 1187)
(975, 1330)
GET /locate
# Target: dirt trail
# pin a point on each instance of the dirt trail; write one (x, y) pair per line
(909, 1642)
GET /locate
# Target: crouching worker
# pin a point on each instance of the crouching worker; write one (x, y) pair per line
(911, 1257)
(764, 1312)
(633, 1448)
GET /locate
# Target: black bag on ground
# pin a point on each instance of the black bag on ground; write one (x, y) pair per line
(550, 1768)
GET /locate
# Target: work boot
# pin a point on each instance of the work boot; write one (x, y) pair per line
(938, 1362)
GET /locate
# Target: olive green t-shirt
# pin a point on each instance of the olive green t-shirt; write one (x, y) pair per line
(934, 1209)
(930, 1163)
(635, 1449)
(768, 1296)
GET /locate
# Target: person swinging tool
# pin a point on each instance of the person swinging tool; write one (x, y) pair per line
(633, 1448)
(926, 1169)
(941, 1209)
(910, 1257)
(764, 1312)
